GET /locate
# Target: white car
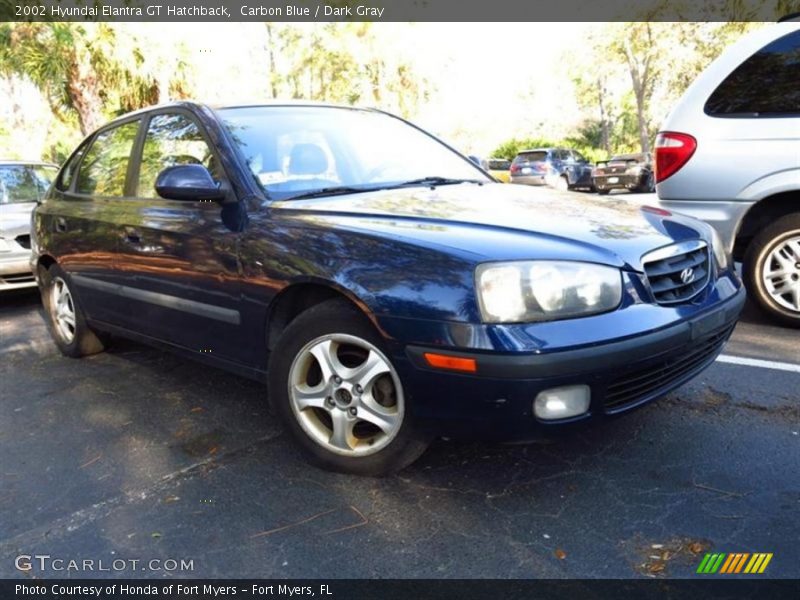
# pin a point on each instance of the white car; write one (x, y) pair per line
(22, 184)
(729, 154)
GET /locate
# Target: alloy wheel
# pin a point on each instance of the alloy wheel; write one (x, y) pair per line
(781, 273)
(62, 310)
(346, 395)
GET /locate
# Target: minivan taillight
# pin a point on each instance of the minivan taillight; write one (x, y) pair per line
(673, 150)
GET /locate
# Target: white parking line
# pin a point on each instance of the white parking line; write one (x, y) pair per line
(763, 364)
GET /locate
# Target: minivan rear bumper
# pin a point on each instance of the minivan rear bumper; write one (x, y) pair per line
(723, 215)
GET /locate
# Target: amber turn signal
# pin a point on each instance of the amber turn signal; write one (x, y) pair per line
(452, 363)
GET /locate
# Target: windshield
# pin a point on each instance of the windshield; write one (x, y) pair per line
(293, 151)
(24, 183)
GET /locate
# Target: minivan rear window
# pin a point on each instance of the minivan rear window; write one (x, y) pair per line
(765, 85)
(531, 156)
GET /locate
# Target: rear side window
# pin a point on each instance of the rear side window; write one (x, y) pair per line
(105, 166)
(765, 85)
(71, 169)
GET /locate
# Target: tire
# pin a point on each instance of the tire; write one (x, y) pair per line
(332, 418)
(603, 192)
(776, 294)
(65, 317)
(648, 185)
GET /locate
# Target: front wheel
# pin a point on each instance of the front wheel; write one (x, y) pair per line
(340, 396)
(771, 270)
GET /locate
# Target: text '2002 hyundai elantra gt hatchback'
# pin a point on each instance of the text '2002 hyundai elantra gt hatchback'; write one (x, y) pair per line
(385, 288)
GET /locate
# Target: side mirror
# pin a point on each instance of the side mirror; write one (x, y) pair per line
(188, 182)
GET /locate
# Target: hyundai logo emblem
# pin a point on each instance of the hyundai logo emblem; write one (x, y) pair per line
(687, 275)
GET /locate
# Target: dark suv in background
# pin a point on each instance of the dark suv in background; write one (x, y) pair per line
(560, 168)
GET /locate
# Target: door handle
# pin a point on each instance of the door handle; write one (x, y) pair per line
(133, 236)
(61, 225)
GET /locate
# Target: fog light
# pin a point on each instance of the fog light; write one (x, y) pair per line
(562, 402)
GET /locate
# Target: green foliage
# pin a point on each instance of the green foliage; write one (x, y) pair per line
(346, 63)
(509, 149)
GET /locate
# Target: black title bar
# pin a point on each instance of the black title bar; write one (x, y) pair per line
(395, 10)
(711, 588)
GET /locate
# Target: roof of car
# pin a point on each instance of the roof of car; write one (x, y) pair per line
(200, 105)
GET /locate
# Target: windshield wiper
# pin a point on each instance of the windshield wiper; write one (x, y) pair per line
(337, 190)
(340, 190)
(434, 180)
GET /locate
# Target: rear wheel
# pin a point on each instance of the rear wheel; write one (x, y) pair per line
(339, 394)
(65, 318)
(562, 183)
(771, 270)
(603, 192)
(647, 185)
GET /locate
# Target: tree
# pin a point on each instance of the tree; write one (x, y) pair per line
(341, 62)
(86, 69)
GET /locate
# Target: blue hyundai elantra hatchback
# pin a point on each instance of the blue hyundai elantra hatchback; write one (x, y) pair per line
(383, 286)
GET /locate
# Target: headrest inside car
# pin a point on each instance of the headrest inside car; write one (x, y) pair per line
(307, 159)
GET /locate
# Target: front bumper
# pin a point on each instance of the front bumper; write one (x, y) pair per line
(497, 401)
(15, 269)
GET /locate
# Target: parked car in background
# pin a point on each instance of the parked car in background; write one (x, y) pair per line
(729, 153)
(499, 169)
(632, 172)
(22, 184)
(560, 168)
(385, 297)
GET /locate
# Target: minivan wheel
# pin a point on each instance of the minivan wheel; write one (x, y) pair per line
(772, 270)
(337, 391)
(65, 318)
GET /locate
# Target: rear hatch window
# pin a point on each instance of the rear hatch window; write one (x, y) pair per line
(529, 157)
(764, 85)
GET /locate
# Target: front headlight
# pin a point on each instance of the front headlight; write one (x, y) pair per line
(525, 291)
(718, 247)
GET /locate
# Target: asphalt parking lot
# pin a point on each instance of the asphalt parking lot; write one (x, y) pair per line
(135, 454)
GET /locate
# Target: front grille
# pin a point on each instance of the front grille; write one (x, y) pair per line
(678, 273)
(24, 241)
(644, 383)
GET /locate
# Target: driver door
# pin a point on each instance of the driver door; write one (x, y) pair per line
(177, 258)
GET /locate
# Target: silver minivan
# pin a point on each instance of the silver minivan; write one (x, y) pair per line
(729, 154)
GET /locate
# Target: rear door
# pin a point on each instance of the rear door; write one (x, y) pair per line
(178, 258)
(80, 215)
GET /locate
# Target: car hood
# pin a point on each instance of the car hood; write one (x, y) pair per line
(15, 219)
(504, 222)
